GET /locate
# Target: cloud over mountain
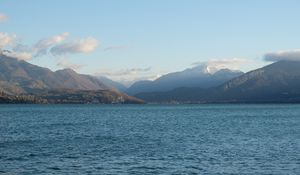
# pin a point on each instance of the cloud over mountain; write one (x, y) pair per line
(6, 39)
(56, 45)
(43, 45)
(215, 65)
(9, 40)
(78, 46)
(291, 55)
(131, 71)
(18, 55)
(128, 76)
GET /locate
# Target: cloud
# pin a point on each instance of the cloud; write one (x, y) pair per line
(215, 65)
(65, 63)
(3, 17)
(291, 55)
(128, 82)
(127, 72)
(78, 46)
(18, 51)
(129, 76)
(56, 45)
(6, 40)
(18, 55)
(21, 51)
(43, 45)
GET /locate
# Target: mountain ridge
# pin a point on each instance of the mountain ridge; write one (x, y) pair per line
(21, 81)
(277, 82)
(32, 78)
(198, 76)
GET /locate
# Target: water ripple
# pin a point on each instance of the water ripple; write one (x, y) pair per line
(150, 139)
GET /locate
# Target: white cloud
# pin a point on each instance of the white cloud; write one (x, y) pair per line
(18, 55)
(78, 46)
(25, 52)
(6, 40)
(56, 45)
(42, 46)
(18, 51)
(127, 72)
(128, 82)
(290, 55)
(129, 76)
(3, 17)
(215, 65)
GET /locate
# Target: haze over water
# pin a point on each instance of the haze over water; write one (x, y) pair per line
(149, 139)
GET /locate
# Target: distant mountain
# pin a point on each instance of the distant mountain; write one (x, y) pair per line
(194, 77)
(25, 77)
(278, 82)
(112, 84)
(21, 81)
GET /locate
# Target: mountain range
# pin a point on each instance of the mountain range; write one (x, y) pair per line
(112, 84)
(276, 83)
(20, 80)
(199, 76)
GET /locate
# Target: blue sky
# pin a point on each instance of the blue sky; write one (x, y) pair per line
(140, 39)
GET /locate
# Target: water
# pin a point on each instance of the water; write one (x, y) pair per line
(150, 139)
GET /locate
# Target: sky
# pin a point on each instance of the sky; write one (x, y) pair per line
(130, 40)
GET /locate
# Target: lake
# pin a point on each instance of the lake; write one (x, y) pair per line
(149, 139)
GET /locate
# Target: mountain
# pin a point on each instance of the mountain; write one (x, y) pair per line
(199, 76)
(21, 81)
(277, 82)
(26, 78)
(112, 84)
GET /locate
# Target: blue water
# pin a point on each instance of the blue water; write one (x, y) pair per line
(150, 139)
